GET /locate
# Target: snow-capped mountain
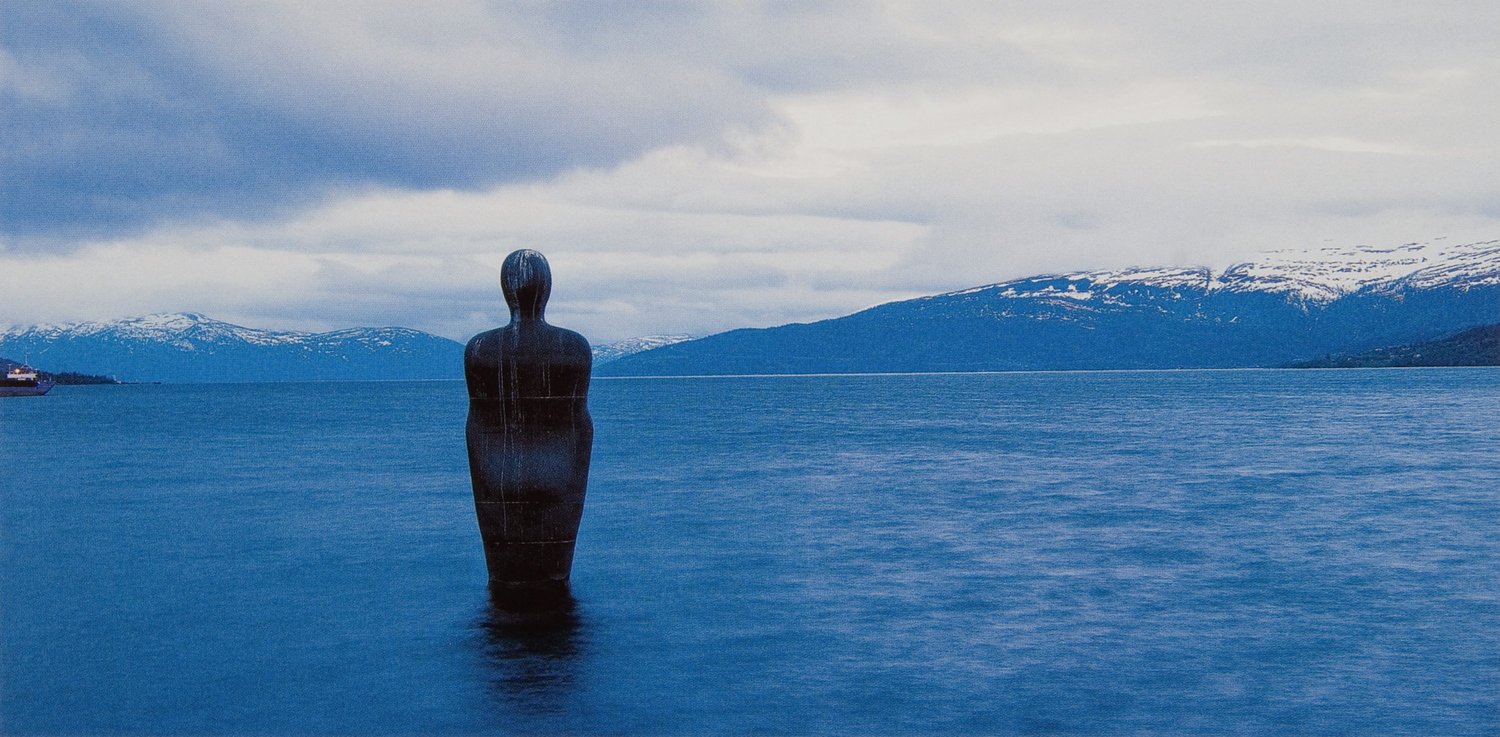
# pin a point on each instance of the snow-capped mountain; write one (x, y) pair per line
(1326, 274)
(190, 347)
(630, 346)
(1320, 275)
(1285, 306)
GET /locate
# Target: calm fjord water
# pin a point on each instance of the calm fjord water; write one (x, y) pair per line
(1227, 552)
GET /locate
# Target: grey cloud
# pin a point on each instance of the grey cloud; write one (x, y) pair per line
(167, 111)
(684, 163)
(124, 115)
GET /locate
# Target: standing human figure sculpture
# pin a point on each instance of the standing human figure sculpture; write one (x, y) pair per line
(529, 432)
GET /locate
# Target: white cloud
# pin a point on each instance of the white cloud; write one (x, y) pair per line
(1330, 143)
(781, 163)
(431, 260)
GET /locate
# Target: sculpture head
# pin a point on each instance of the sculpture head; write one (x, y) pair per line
(526, 280)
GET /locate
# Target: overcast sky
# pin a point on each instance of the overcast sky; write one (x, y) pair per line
(698, 167)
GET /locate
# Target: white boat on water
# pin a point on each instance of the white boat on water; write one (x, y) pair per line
(24, 381)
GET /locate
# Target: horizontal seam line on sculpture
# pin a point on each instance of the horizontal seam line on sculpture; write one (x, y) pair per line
(535, 504)
(534, 542)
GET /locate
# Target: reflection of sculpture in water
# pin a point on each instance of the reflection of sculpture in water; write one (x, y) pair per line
(529, 432)
(532, 642)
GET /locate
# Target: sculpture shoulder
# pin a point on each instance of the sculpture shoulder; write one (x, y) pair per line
(572, 342)
(483, 346)
(527, 343)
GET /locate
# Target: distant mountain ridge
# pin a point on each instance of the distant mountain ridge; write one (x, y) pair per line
(189, 347)
(630, 346)
(1475, 347)
(1285, 306)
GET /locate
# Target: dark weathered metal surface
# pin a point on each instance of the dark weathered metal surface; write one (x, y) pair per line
(529, 432)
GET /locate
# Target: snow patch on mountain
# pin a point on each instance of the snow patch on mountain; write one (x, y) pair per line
(186, 346)
(630, 346)
(186, 330)
(191, 331)
(1326, 274)
(1318, 275)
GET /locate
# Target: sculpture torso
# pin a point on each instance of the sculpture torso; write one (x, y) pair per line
(527, 374)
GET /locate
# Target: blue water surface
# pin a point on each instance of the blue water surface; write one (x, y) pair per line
(1200, 552)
